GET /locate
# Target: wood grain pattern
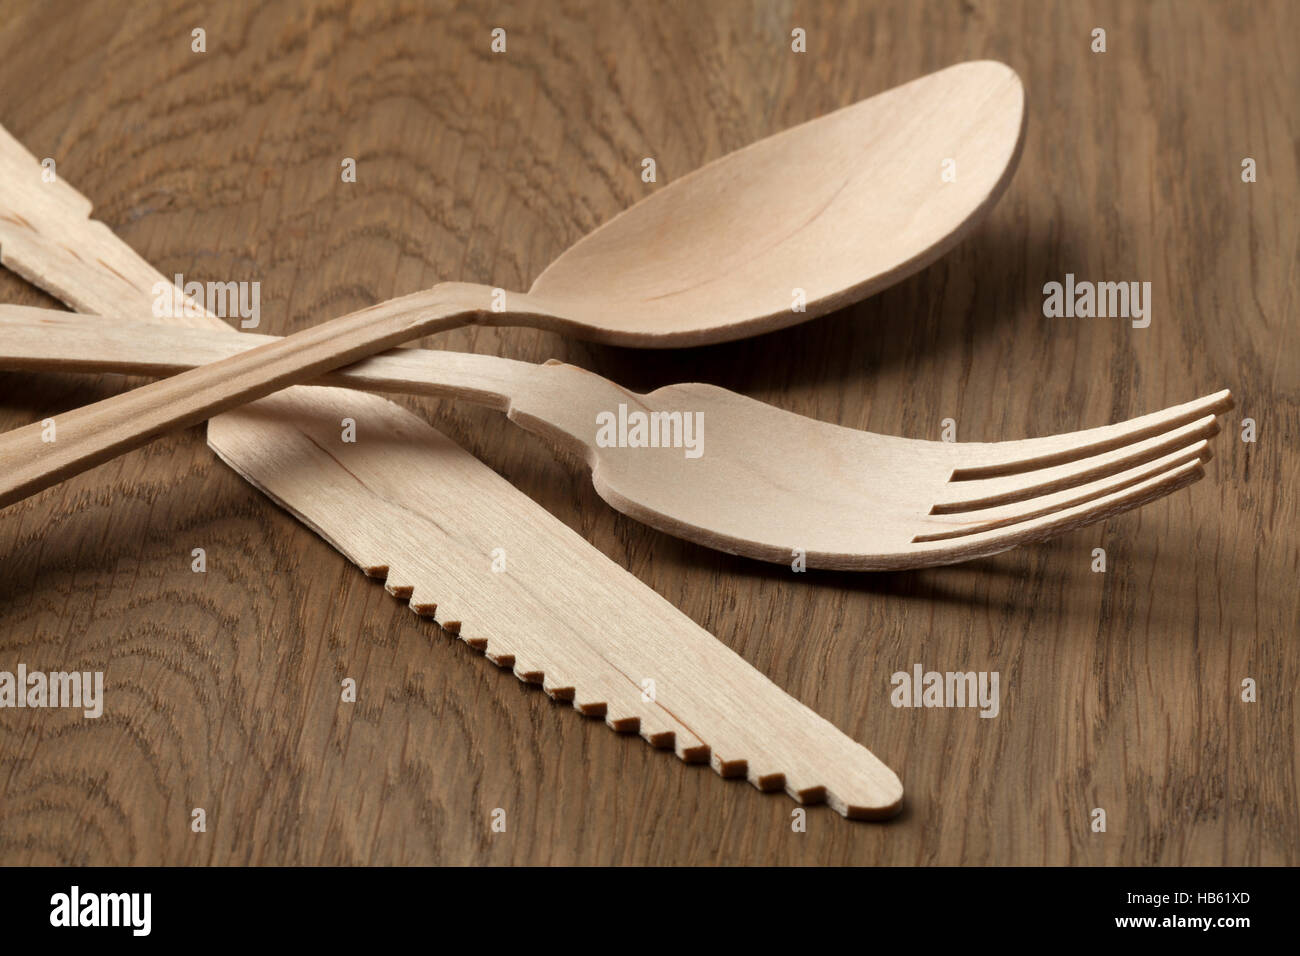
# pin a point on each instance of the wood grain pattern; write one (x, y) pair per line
(1120, 690)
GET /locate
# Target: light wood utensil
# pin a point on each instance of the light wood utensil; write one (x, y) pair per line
(564, 616)
(767, 483)
(819, 216)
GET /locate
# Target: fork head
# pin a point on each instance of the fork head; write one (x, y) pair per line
(776, 486)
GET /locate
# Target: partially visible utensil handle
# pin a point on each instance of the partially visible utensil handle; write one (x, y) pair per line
(54, 340)
(44, 453)
(559, 402)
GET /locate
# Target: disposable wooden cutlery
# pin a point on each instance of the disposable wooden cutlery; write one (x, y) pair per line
(710, 466)
(565, 616)
(788, 228)
(562, 615)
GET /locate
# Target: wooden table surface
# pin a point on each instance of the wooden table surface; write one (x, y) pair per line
(1120, 690)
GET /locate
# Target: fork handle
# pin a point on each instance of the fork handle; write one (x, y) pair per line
(44, 453)
(57, 341)
(225, 370)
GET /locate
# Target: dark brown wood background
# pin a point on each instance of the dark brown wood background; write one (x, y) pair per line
(1119, 690)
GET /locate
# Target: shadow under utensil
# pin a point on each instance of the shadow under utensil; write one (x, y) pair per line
(80, 531)
(921, 584)
(982, 284)
(27, 396)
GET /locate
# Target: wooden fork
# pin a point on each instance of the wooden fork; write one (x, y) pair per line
(767, 483)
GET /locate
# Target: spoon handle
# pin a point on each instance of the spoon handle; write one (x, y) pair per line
(44, 453)
(57, 341)
(559, 402)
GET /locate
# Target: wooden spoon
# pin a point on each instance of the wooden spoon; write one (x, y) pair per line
(830, 211)
(728, 472)
(788, 228)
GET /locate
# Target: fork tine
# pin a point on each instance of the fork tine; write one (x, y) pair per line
(991, 492)
(982, 542)
(997, 459)
(991, 518)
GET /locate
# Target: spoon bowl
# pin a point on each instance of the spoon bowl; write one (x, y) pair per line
(836, 208)
(788, 228)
